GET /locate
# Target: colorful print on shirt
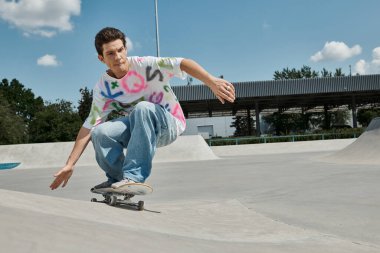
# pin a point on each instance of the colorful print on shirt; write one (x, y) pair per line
(147, 80)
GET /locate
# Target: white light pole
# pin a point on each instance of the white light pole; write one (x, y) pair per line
(157, 36)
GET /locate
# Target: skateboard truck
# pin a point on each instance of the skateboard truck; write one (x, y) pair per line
(113, 200)
(122, 196)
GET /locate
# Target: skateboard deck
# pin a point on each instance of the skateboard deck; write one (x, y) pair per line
(112, 196)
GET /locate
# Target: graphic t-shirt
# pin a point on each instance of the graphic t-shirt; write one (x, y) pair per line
(147, 80)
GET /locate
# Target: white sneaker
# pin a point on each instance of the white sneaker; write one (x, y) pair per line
(122, 183)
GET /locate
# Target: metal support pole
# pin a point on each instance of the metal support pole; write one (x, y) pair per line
(354, 113)
(157, 35)
(249, 121)
(257, 112)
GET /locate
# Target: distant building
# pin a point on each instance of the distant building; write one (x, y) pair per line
(210, 127)
(207, 116)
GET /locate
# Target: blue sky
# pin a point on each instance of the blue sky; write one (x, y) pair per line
(48, 44)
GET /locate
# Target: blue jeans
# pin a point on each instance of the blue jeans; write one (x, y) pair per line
(147, 127)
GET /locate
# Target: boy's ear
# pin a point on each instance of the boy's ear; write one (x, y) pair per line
(100, 58)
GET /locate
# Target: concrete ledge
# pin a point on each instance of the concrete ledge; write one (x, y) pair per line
(42, 155)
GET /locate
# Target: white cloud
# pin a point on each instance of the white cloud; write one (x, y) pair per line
(336, 51)
(48, 60)
(361, 67)
(372, 67)
(129, 44)
(41, 17)
(376, 57)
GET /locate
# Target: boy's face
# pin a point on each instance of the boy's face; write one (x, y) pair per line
(115, 57)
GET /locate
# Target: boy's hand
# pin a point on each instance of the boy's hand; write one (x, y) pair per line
(62, 176)
(223, 90)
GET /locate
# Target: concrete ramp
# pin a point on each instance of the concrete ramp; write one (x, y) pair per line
(42, 155)
(52, 224)
(185, 148)
(365, 150)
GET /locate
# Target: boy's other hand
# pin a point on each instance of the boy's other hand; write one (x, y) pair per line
(62, 177)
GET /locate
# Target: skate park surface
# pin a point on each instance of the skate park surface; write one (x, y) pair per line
(316, 196)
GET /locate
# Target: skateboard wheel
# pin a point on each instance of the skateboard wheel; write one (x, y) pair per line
(112, 200)
(140, 205)
(94, 200)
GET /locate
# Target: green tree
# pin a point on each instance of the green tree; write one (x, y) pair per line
(340, 117)
(85, 103)
(304, 72)
(287, 73)
(241, 125)
(307, 72)
(366, 115)
(339, 72)
(56, 122)
(326, 73)
(21, 100)
(333, 118)
(286, 123)
(12, 126)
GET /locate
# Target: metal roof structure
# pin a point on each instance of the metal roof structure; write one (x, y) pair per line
(283, 94)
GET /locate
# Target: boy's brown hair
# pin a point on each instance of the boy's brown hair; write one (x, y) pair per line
(107, 35)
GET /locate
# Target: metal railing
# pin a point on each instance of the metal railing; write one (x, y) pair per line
(284, 138)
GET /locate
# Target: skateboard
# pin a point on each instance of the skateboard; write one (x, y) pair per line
(123, 195)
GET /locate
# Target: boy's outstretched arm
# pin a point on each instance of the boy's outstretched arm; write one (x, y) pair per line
(63, 175)
(222, 89)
